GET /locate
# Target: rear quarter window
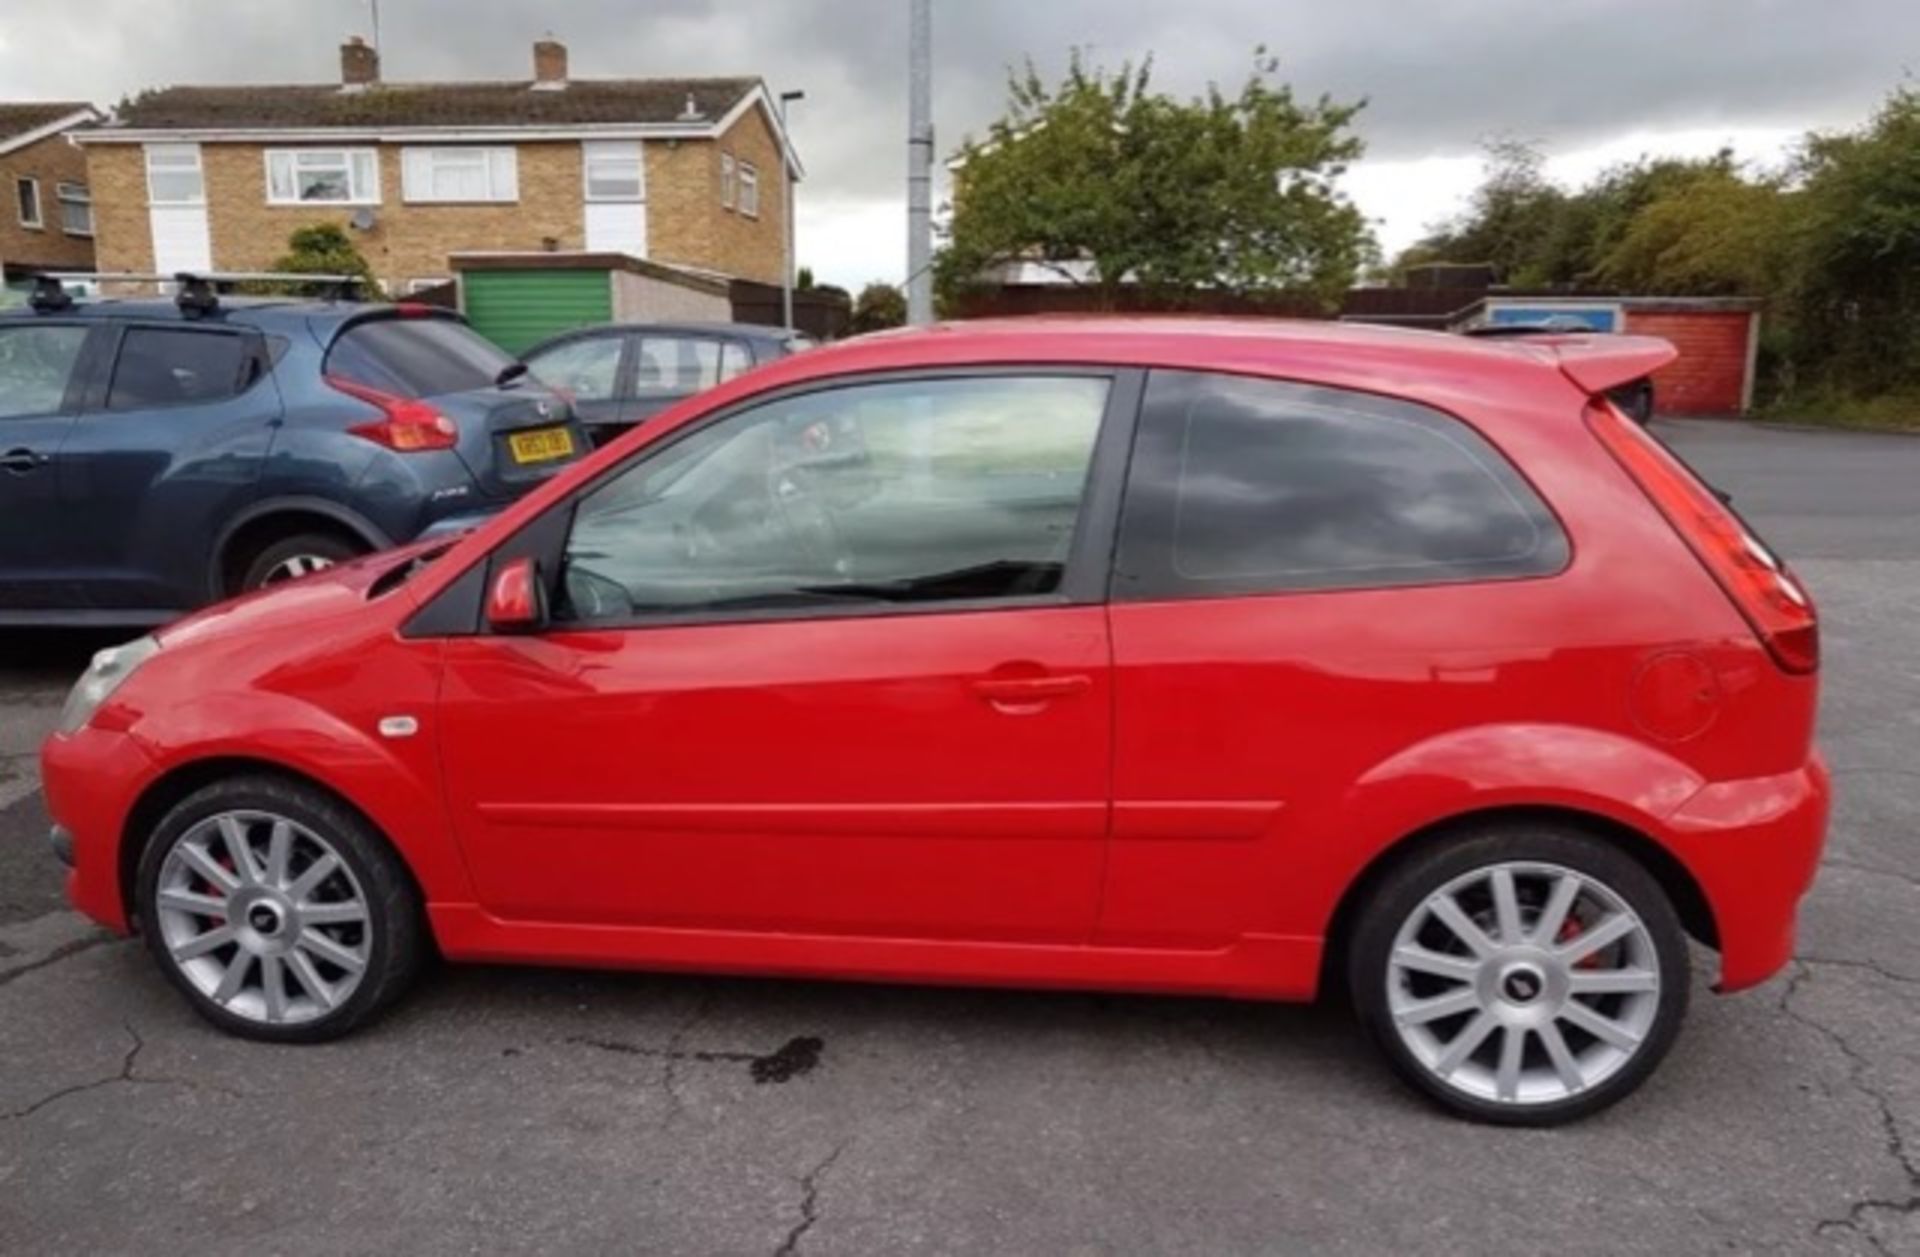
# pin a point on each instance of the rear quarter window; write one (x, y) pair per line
(171, 367)
(1248, 486)
(416, 357)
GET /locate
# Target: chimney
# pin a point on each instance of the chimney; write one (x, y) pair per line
(549, 63)
(359, 63)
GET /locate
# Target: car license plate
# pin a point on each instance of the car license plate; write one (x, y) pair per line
(540, 446)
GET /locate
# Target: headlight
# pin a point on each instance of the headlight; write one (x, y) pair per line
(103, 676)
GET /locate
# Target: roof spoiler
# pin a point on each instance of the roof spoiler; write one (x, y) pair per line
(1599, 364)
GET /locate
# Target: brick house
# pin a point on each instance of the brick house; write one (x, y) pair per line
(48, 220)
(682, 171)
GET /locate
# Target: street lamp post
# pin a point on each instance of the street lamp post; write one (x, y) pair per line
(786, 166)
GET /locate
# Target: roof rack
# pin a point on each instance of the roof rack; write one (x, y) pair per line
(196, 292)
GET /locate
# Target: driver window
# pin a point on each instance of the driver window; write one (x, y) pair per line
(918, 491)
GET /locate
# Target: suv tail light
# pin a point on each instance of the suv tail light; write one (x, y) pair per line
(1766, 593)
(409, 425)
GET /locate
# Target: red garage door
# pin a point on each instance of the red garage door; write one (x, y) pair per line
(1709, 377)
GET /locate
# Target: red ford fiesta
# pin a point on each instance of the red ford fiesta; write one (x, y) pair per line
(1153, 655)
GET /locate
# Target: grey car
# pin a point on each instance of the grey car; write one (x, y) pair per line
(622, 374)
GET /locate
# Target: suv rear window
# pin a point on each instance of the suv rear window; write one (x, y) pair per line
(416, 357)
(1248, 486)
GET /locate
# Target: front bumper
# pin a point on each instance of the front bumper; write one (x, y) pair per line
(1754, 846)
(92, 779)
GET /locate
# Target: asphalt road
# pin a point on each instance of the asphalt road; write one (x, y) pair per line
(512, 1110)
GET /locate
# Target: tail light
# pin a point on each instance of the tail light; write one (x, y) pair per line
(409, 425)
(1766, 593)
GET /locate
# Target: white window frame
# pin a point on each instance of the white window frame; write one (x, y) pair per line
(39, 220)
(500, 164)
(69, 195)
(170, 151)
(749, 197)
(331, 159)
(421, 285)
(607, 153)
(726, 180)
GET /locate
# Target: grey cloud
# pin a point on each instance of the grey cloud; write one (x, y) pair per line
(1439, 76)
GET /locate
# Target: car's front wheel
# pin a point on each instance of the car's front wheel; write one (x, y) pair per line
(1521, 975)
(279, 912)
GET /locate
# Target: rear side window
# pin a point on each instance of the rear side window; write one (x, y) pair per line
(171, 367)
(1248, 486)
(677, 364)
(416, 357)
(36, 362)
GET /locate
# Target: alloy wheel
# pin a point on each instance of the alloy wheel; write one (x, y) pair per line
(263, 917)
(1523, 983)
(294, 566)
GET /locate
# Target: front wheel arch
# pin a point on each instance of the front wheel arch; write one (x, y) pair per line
(1689, 899)
(160, 798)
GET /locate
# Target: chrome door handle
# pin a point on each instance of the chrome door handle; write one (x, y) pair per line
(22, 461)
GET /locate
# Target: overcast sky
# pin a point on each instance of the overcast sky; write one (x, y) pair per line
(1594, 80)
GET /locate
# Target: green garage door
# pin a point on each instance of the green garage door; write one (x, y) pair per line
(518, 309)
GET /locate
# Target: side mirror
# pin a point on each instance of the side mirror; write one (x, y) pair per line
(517, 599)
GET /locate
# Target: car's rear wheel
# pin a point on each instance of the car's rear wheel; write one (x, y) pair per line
(293, 557)
(1521, 975)
(279, 912)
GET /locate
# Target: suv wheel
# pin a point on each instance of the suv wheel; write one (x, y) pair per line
(279, 912)
(1521, 976)
(293, 557)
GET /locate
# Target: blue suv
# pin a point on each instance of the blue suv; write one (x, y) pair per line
(158, 455)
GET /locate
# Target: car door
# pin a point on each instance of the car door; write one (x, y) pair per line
(593, 369)
(168, 448)
(833, 663)
(41, 382)
(1286, 617)
(669, 367)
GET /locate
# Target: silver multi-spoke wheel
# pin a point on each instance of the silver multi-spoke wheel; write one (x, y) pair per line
(263, 917)
(294, 566)
(1523, 983)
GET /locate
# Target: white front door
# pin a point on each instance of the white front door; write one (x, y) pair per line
(615, 191)
(177, 209)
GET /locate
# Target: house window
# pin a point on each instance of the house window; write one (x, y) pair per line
(323, 176)
(173, 175)
(76, 208)
(726, 180)
(749, 190)
(28, 191)
(460, 174)
(613, 172)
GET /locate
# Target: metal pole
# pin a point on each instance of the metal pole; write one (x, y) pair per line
(920, 165)
(787, 276)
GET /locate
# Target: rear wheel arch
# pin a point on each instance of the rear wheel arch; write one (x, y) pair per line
(163, 795)
(1675, 879)
(265, 523)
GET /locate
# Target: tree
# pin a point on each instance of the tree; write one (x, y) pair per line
(803, 279)
(326, 249)
(878, 307)
(1113, 185)
(1717, 234)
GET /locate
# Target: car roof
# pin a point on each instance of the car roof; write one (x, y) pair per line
(267, 313)
(741, 331)
(1392, 360)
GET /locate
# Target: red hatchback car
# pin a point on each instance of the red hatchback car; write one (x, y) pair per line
(1170, 656)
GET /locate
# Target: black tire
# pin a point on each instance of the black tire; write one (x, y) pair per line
(396, 938)
(1408, 886)
(330, 547)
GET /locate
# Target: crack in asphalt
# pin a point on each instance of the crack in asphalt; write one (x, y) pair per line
(124, 1074)
(791, 1059)
(676, 1052)
(58, 954)
(809, 1202)
(1896, 1143)
(1870, 966)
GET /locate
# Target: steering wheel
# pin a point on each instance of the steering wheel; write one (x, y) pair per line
(807, 520)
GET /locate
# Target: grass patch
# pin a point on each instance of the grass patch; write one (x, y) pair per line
(1888, 412)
